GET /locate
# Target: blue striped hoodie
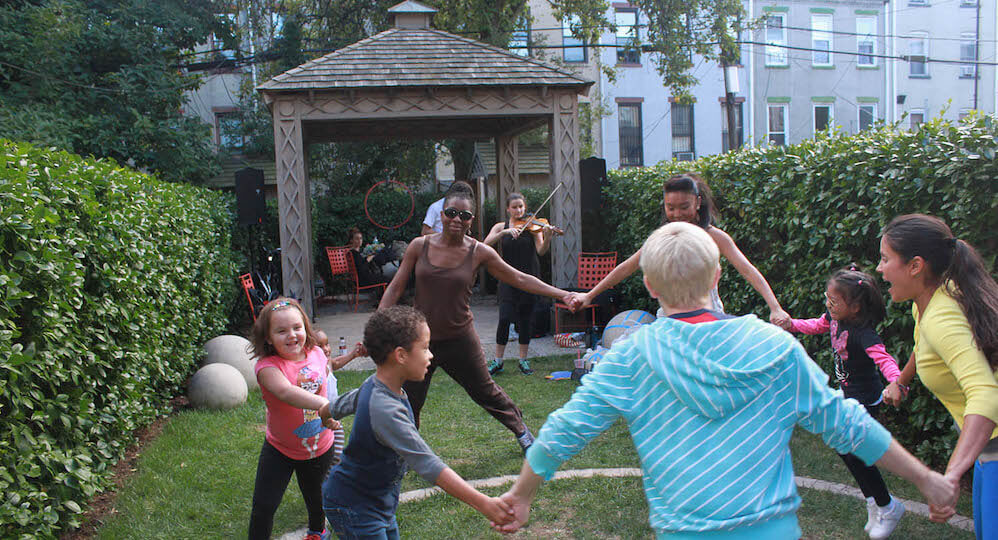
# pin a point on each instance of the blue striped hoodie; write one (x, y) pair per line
(710, 408)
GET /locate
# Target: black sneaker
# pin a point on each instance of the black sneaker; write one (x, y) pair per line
(495, 366)
(525, 367)
(525, 440)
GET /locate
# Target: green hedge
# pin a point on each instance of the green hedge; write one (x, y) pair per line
(799, 212)
(111, 283)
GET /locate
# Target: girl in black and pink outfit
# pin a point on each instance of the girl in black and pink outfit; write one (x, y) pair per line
(855, 306)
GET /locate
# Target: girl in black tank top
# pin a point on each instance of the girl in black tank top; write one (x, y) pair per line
(520, 250)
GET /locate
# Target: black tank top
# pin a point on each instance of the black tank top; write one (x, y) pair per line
(521, 254)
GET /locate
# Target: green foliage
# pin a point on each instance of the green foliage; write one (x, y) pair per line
(112, 281)
(100, 78)
(800, 212)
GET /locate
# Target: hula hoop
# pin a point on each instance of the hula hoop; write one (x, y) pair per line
(412, 204)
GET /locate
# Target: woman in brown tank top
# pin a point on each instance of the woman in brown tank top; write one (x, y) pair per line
(445, 266)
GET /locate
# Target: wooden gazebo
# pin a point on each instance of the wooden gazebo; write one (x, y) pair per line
(412, 81)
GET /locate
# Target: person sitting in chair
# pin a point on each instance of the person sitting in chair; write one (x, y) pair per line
(368, 269)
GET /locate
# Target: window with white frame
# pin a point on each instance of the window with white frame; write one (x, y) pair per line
(627, 36)
(821, 39)
(776, 39)
(866, 41)
(519, 40)
(822, 117)
(574, 49)
(918, 54)
(683, 142)
(968, 54)
(916, 118)
(777, 125)
(629, 128)
(867, 115)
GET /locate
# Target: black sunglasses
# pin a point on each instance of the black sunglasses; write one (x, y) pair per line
(452, 213)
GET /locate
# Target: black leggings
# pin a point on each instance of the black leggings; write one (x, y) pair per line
(868, 476)
(520, 315)
(273, 472)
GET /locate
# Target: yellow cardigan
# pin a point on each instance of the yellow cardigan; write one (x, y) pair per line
(950, 364)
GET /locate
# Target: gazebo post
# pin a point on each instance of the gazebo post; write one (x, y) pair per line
(293, 202)
(563, 135)
(507, 169)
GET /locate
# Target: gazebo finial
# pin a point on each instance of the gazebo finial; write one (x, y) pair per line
(412, 15)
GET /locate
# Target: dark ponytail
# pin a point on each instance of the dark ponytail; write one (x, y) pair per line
(860, 289)
(690, 182)
(955, 264)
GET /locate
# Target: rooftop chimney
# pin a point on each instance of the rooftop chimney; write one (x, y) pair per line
(412, 15)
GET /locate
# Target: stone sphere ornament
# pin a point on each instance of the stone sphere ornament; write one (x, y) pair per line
(234, 351)
(217, 386)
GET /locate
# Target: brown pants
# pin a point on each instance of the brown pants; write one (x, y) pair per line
(462, 359)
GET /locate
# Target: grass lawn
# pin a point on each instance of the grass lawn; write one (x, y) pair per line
(196, 479)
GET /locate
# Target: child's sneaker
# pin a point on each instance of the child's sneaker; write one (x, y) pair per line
(495, 366)
(324, 535)
(525, 367)
(871, 514)
(887, 519)
(525, 440)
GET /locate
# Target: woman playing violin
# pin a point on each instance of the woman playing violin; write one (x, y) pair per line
(521, 239)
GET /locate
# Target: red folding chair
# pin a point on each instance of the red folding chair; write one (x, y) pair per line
(340, 263)
(592, 268)
(246, 280)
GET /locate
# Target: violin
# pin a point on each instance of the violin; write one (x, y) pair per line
(532, 224)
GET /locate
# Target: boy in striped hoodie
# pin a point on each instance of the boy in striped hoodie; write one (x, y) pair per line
(711, 402)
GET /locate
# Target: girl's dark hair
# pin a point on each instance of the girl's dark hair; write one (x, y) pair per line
(396, 326)
(955, 264)
(514, 196)
(860, 289)
(259, 347)
(690, 182)
(351, 232)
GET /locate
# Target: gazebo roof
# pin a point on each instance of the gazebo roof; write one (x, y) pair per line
(416, 58)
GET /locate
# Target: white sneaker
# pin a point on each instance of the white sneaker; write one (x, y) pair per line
(887, 519)
(871, 514)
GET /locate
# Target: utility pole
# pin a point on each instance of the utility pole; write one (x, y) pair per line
(729, 101)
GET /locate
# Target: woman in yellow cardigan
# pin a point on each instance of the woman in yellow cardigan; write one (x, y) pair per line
(956, 346)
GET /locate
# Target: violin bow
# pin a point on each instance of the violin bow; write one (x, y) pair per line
(527, 220)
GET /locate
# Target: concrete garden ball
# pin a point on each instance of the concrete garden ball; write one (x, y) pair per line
(217, 386)
(234, 351)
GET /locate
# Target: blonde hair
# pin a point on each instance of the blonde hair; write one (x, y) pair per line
(680, 260)
(259, 347)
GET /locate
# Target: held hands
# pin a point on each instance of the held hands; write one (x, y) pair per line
(941, 492)
(358, 350)
(520, 509)
(894, 394)
(780, 318)
(573, 301)
(497, 511)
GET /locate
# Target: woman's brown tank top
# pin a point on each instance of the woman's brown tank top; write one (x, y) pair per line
(443, 295)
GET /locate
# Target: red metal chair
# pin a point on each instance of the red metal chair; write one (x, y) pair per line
(246, 280)
(592, 268)
(341, 263)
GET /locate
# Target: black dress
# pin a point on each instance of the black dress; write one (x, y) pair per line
(367, 273)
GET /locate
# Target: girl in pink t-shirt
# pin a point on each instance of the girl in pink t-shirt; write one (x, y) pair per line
(291, 370)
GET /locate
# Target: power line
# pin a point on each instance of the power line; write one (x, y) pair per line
(905, 58)
(844, 33)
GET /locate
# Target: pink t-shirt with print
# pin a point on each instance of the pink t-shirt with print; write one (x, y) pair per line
(283, 419)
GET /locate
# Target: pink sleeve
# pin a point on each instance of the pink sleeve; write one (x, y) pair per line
(887, 364)
(810, 326)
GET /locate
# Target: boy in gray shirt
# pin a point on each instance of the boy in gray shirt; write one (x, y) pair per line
(361, 493)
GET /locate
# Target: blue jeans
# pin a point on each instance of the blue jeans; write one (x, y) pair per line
(349, 524)
(986, 500)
